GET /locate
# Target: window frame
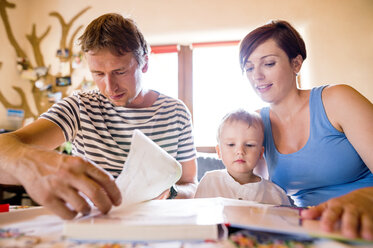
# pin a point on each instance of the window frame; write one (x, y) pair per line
(185, 73)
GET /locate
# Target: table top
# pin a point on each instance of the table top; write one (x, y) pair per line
(38, 227)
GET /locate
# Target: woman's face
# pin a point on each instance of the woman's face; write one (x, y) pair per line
(270, 72)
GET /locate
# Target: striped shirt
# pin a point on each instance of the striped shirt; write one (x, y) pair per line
(101, 131)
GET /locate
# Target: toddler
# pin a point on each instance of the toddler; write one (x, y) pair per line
(240, 146)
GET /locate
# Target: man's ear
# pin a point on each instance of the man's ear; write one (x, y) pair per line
(146, 64)
(297, 63)
(217, 149)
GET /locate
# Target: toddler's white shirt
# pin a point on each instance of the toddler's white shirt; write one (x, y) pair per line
(218, 183)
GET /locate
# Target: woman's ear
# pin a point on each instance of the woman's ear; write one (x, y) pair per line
(297, 63)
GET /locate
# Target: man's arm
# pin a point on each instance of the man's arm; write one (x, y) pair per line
(187, 184)
(52, 179)
(42, 134)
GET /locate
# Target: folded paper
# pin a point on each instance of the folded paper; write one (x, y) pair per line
(148, 171)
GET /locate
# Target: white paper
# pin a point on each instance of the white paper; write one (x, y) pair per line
(148, 171)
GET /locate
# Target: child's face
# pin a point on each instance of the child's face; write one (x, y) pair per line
(240, 147)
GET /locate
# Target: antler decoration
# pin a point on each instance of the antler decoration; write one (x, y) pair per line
(23, 105)
(35, 43)
(4, 16)
(66, 28)
(40, 98)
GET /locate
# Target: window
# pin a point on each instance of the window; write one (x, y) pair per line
(215, 87)
(162, 74)
(218, 87)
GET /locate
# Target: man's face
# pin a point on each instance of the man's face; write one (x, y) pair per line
(117, 77)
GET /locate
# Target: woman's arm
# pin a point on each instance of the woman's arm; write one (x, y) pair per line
(351, 113)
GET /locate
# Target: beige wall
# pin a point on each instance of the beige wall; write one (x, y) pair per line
(338, 33)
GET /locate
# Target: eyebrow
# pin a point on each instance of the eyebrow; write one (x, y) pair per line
(265, 56)
(119, 69)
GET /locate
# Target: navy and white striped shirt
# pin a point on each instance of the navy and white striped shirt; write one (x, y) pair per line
(101, 131)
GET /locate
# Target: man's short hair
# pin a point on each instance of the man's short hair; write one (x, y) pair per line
(114, 32)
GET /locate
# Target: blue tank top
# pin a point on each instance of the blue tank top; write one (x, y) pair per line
(327, 166)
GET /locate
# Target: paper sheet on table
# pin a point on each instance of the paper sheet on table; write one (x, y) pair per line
(148, 171)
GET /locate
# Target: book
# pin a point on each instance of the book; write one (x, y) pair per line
(284, 220)
(155, 220)
(196, 220)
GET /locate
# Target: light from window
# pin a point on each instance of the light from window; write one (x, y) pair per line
(162, 74)
(218, 87)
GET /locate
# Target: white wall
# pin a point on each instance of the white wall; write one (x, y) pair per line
(338, 33)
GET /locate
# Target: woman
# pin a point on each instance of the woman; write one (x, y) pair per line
(317, 142)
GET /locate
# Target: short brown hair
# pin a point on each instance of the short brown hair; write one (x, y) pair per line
(286, 37)
(250, 118)
(117, 33)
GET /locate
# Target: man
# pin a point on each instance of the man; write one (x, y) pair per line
(100, 125)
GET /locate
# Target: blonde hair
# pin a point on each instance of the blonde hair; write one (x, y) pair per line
(251, 118)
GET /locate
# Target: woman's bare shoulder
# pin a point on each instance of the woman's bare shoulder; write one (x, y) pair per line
(342, 102)
(339, 91)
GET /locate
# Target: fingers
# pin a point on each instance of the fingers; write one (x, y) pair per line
(92, 181)
(350, 223)
(330, 214)
(73, 200)
(165, 194)
(75, 175)
(367, 227)
(353, 223)
(313, 212)
(94, 192)
(49, 197)
(58, 181)
(105, 180)
(330, 218)
(60, 208)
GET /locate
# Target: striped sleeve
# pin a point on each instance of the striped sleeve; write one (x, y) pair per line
(186, 148)
(65, 114)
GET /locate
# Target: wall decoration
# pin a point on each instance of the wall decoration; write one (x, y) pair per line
(35, 43)
(38, 75)
(22, 64)
(54, 97)
(77, 60)
(63, 81)
(62, 53)
(41, 71)
(64, 69)
(15, 117)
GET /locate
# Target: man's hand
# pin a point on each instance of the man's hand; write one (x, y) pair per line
(165, 194)
(353, 211)
(59, 182)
